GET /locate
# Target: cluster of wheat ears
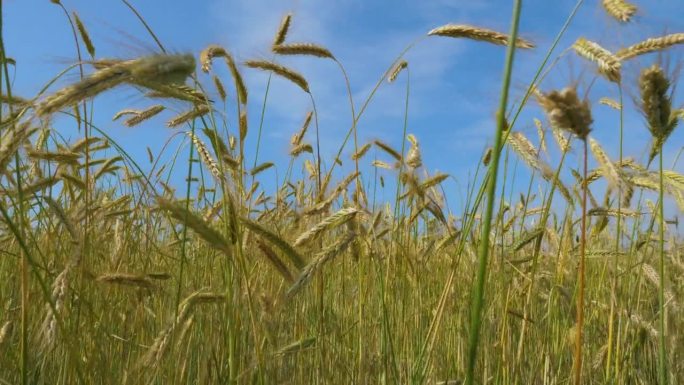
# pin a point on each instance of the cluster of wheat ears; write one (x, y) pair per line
(109, 275)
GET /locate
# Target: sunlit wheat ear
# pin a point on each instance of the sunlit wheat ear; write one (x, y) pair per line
(5, 333)
(144, 115)
(92, 85)
(11, 140)
(280, 70)
(307, 49)
(124, 279)
(59, 291)
(566, 112)
(657, 106)
(296, 139)
(610, 103)
(323, 205)
(319, 261)
(609, 170)
(208, 54)
(608, 64)
(649, 45)
(361, 151)
(284, 27)
(619, 9)
(189, 115)
(195, 223)
(477, 33)
(84, 35)
(329, 223)
(394, 73)
(413, 159)
(206, 157)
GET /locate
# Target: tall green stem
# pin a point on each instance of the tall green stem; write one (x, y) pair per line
(478, 294)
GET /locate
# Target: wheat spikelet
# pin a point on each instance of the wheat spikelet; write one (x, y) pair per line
(280, 70)
(477, 33)
(206, 157)
(304, 147)
(144, 115)
(208, 54)
(107, 167)
(381, 164)
(565, 111)
(275, 240)
(413, 159)
(657, 106)
(11, 141)
(610, 103)
(337, 219)
(525, 149)
(653, 44)
(296, 139)
(487, 157)
(608, 64)
(361, 151)
(5, 333)
(219, 88)
(188, 115)
(541, 133)
(125, 279)
(195, 222)
(620, 9)
(388, 149)
(308, 49)
(282, 30)
(396, 71)
(275, 261)
(125, 112)
(609, 170)
(59, 291)
(13, 101)
(84, 35)
(64, 157)
(317, 264)
(262, 167)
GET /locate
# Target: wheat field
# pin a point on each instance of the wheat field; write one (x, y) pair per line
(111, 273)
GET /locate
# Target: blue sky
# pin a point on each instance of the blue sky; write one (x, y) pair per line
(454, 83)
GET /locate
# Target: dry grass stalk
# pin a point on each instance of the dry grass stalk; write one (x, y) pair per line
(308, 49)
(144, 115)
(280, 70)
(477, 33)
(620, 9)
(189, 115)
(609, 65)
(337, 219)
(650, 45)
